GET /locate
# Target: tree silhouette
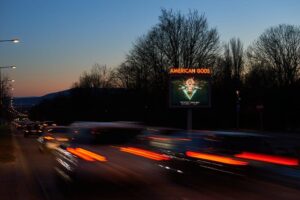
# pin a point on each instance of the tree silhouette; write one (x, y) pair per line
(279, 47)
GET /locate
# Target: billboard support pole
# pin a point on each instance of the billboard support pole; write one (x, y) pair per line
(189, 119)
(189, 88)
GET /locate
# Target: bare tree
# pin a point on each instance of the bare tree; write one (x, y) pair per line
(100, 76)
(260, 76)
(6, 88)
(279, 47)
(227, 63)
(237, 54)
(125, 76)
(230, 66)
(176, 41)
(5, 95)
(187, 41)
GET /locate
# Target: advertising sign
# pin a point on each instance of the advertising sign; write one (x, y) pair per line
(189, 87)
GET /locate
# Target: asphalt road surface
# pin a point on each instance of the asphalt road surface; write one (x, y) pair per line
(32, 176)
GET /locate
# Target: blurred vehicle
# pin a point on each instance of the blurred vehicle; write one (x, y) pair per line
(48, 123)
(16, 123)
(53, 136)
(192, 152)
(274, 158)
(21, 124)
(102, 151)
(32, 129)
(231, 153)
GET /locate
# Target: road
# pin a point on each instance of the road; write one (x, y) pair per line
(32, 177)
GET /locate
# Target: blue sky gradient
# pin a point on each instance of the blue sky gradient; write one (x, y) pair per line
(62, 38)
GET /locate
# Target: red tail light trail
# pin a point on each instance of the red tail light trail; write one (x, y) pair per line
(86, 155)
(145, 153)
(269, 158)
(91, 154)
(216, 158)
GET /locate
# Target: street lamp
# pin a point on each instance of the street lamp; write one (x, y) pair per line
(6, 67)
(15, 40)
(238, 108)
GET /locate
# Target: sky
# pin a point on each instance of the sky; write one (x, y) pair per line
(62, 38)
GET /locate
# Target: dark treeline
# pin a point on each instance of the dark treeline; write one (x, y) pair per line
(5, 97)
(266, 76)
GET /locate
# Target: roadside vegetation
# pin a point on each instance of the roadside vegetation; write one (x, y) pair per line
(6, 145)
(266, 75)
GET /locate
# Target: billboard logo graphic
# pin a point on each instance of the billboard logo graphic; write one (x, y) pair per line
(189, 88)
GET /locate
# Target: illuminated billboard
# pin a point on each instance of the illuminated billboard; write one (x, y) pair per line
(189, 87)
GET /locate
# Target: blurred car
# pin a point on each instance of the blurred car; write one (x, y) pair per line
(16, 124)
(192, 153)
(234, 153)
(21, 124)
(274, 158)
(102, 151)
(48, 123)
(32, 129)
(53, 136)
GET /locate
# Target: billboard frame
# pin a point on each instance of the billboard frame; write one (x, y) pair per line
(185, 72)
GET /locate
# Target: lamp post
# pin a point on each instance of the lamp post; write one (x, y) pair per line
(238, 107)
(15, 40)
(8, 67)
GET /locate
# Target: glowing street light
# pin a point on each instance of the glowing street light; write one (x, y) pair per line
(15, 40)
(7, 67)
